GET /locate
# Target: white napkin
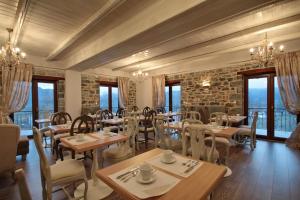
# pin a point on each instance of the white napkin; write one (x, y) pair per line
(176, 168)
(74, 140)
(163, 183)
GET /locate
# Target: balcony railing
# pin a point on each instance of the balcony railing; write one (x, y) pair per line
(24, 118)
(284, 122)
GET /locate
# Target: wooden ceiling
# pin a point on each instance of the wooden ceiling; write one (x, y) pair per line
(160, 36)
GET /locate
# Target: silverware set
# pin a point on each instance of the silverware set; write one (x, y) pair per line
(190, 164)
(128, 175)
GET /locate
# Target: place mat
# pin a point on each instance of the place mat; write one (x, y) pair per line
(163, 183)
(73, 140)
(100, 135)
(176, 168)
(67, 126)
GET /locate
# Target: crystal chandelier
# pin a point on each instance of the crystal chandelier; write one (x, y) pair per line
(265, 53)
(10, 56)
(140, 73)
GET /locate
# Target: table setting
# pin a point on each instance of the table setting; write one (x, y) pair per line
(144, 181)
(150, 178)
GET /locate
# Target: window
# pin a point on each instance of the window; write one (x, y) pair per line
(173, 96)
(109, 97)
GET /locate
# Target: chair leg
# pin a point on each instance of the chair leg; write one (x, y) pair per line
(56, 149)
(86, 185)
(49, 192)
(146, 139)
(73, 154)
(61, 155)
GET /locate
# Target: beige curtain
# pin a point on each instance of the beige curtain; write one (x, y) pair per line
(15, 90)
(288, 76)
(123, 84)
(158, 91)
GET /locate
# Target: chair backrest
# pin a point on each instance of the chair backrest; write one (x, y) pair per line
(106, 114)
(149, 117)
(162, 133)
(160, 110)
(9, 134)
(82, 124)
(121, 112)
(146, 110)
(44, 164)
(193, 115)
(23, 187)
(60, 118)
(131, 129)
(195, 135)
(219, 118)
(135, 108)
(186, 122)
(98, 119)
(253, 125)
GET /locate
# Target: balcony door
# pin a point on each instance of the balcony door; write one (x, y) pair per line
(41, 103)
(262, 95)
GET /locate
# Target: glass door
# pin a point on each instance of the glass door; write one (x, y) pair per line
(262, 95)
(45, 99)
(42, 101)
(258, 101)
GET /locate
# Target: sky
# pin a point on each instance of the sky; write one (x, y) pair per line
(260, 83)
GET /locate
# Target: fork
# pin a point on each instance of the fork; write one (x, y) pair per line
(133, 174)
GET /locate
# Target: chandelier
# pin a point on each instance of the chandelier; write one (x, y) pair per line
(265, 53)
(9, 55)
(140, 75)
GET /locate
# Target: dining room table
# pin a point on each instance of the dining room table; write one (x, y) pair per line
(172, 181)
(219, 131)
(94, 142)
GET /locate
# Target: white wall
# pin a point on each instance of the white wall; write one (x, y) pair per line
(73, 93)
(144, 93)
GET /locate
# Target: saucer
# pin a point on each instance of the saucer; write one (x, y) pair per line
(169, 161)
(80, 140)
(139, 179)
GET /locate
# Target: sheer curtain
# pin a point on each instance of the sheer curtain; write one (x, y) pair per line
(158, 91)
(123, 84)
(15, 90)
(288, 76)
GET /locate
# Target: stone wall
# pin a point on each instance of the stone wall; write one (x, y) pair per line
(226, 87)
(90, 90)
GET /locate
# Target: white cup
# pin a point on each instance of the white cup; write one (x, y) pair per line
(168, 155)
(146, 171)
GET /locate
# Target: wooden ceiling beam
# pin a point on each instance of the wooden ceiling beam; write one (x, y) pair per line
(85, 27)
(21, 13)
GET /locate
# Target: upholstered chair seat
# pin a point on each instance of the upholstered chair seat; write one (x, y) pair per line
(69, 169)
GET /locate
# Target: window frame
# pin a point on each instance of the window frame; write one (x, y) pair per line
(110, 85)
(169, 84)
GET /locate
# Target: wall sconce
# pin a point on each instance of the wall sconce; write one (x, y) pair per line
(206, 83)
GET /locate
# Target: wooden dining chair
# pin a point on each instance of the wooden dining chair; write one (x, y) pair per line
(106, 114)
(135, 108)
(61, 174)
(146, 110)
(219, 118)
(163, 135)
(194, 115)
(193, 143)
(124, 150)
(81, 125)
(22, 184)
(247, 134)
(147, 127)
(58, 119)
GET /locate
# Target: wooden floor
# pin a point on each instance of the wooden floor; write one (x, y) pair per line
(271, 171)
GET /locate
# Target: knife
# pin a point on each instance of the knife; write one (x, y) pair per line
(191, 167)
(124, 174)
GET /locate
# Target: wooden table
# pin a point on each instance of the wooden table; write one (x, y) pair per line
(228, 132)
(95, 188)
(197, 186)
(62, 128)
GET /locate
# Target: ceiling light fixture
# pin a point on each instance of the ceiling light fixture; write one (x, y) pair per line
(10, 56)
(265, 52)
